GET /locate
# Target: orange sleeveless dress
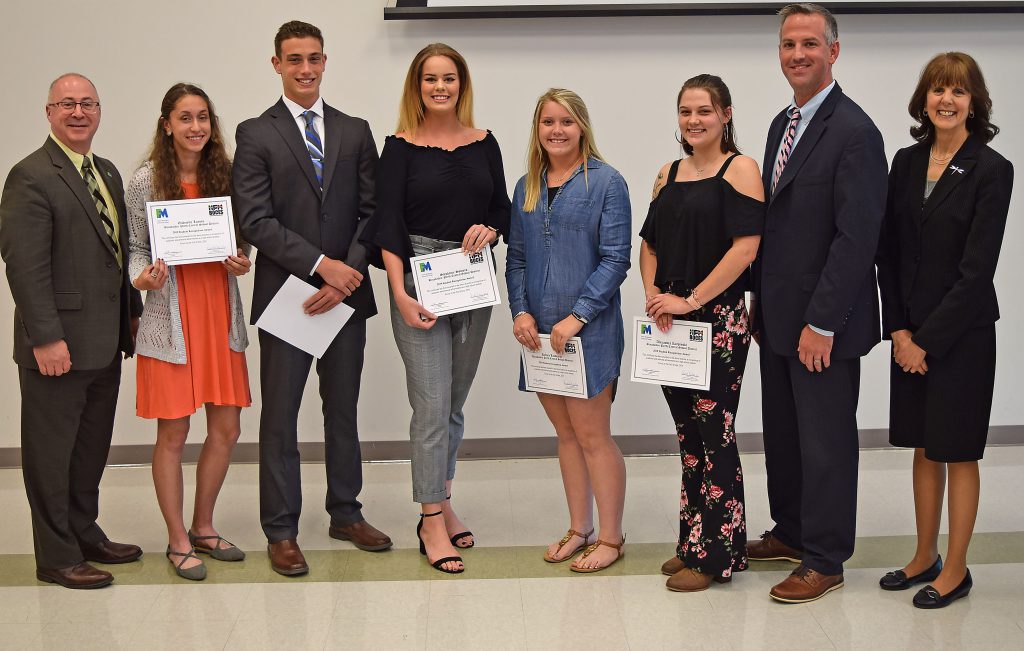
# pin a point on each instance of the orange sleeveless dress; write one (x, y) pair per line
(212, 373)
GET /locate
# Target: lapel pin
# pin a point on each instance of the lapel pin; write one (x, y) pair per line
(958, 170)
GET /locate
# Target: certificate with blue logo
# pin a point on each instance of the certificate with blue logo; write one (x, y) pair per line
(188, 231)
(545, 371)
(453, 281)
(680, 357)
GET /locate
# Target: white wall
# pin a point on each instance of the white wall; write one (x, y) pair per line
(627, 69)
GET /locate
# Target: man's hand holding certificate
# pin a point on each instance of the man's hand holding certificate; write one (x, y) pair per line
(455, 281)
(189, 231)
(680, 357)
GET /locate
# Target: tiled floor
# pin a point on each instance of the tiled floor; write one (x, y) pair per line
(508, 598)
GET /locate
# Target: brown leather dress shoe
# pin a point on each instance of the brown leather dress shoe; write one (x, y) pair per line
(770, 548)
(804, 585)
(111, 553)
(672, 565)
(77, 577)
(363, 535)
(690, 580)
(286, 558)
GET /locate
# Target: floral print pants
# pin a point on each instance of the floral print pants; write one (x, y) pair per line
(712, 526)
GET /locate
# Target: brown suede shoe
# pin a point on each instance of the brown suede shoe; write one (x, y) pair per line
(770, 548)
(672, 565)
(111, 552)
(804, 585)
(363, 535)
(286, 558)
(76, 577)
(690, 580)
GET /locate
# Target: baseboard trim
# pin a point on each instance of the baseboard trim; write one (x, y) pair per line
(495, 448)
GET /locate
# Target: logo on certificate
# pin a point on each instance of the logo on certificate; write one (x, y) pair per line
(476, 258)
(645, 328)
(424, 266)
(570, 347)
(696, 334)
(216, 209)
(161, 213)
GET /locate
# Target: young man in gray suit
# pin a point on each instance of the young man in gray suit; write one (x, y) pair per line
(817, 306)
(63, 235)
(303, 181)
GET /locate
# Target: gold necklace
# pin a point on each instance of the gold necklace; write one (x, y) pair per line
(938, 159)
(572, 168)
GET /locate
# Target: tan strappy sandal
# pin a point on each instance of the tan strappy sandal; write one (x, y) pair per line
(590, 550)
(564, 541)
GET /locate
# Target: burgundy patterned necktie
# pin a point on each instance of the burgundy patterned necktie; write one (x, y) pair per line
(787, 148)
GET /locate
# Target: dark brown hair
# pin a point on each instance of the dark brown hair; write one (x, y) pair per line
(296, 29)
(214, 174)
(721, 99)
(952, 69)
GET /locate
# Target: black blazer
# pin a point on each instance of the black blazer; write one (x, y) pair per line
(815, 263)
(283, 212)
(936, 258)
(61, 266)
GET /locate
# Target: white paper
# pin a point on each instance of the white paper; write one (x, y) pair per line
(189, 231)
(452, 281)
(680, 357)
(547, 372)
(285, 319)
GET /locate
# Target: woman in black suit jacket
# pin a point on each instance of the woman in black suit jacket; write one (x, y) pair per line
(948, 199)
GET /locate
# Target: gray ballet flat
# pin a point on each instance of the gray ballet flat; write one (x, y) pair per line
(195, 573)
(229, 553)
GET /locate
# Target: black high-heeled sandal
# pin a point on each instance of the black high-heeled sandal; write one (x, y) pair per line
(459, 536)
(437, 565)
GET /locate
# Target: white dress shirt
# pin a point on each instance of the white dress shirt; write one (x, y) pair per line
(318, 125)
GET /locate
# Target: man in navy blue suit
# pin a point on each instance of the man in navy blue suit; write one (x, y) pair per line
(817, 306)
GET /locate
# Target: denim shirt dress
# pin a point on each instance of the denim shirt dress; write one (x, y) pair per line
(574, 257)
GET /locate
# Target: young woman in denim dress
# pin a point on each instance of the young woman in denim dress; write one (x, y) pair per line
(700, 236)
(440, 186)
(568, 253)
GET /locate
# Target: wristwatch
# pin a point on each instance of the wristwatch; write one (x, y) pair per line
(576, 315)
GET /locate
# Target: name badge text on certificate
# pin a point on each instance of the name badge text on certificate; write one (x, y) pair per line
(547, 372)
(189, 231)
(680, 357)
(452, 281)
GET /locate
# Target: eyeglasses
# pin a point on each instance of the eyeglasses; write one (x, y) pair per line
(68, 106)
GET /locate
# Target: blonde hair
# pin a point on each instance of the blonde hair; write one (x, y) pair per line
(537, 158)
(410, 109)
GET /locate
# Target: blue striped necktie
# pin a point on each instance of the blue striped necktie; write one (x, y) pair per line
(787, 148)
(315, 147)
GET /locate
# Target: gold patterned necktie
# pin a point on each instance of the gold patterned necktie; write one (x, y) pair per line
(101, 205)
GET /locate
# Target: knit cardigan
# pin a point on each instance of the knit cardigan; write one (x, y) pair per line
(160, 333)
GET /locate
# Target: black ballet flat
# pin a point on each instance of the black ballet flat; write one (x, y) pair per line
(898, 579)
(929, 597)
(439, 563)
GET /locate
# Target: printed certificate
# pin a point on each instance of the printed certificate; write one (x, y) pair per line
(453, 281)
(188, 231)
(680, 357)
(547, 372)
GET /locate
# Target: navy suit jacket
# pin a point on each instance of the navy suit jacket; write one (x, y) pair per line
(284, 213)
(815, 264)
(937, 258)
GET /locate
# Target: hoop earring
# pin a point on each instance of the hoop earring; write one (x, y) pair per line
(679, 136)
(971, 114)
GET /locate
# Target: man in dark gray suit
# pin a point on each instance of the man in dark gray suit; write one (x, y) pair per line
(62, 235)
(817, 308)
(303, 181)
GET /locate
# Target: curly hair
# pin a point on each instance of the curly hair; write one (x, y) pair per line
(214, 174)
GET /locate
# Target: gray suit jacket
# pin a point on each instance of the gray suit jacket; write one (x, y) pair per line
(61, 266)
(284, 213)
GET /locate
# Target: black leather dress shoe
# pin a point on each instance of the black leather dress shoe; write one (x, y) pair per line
(898, 579)
(109, 552)
(929, 597)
